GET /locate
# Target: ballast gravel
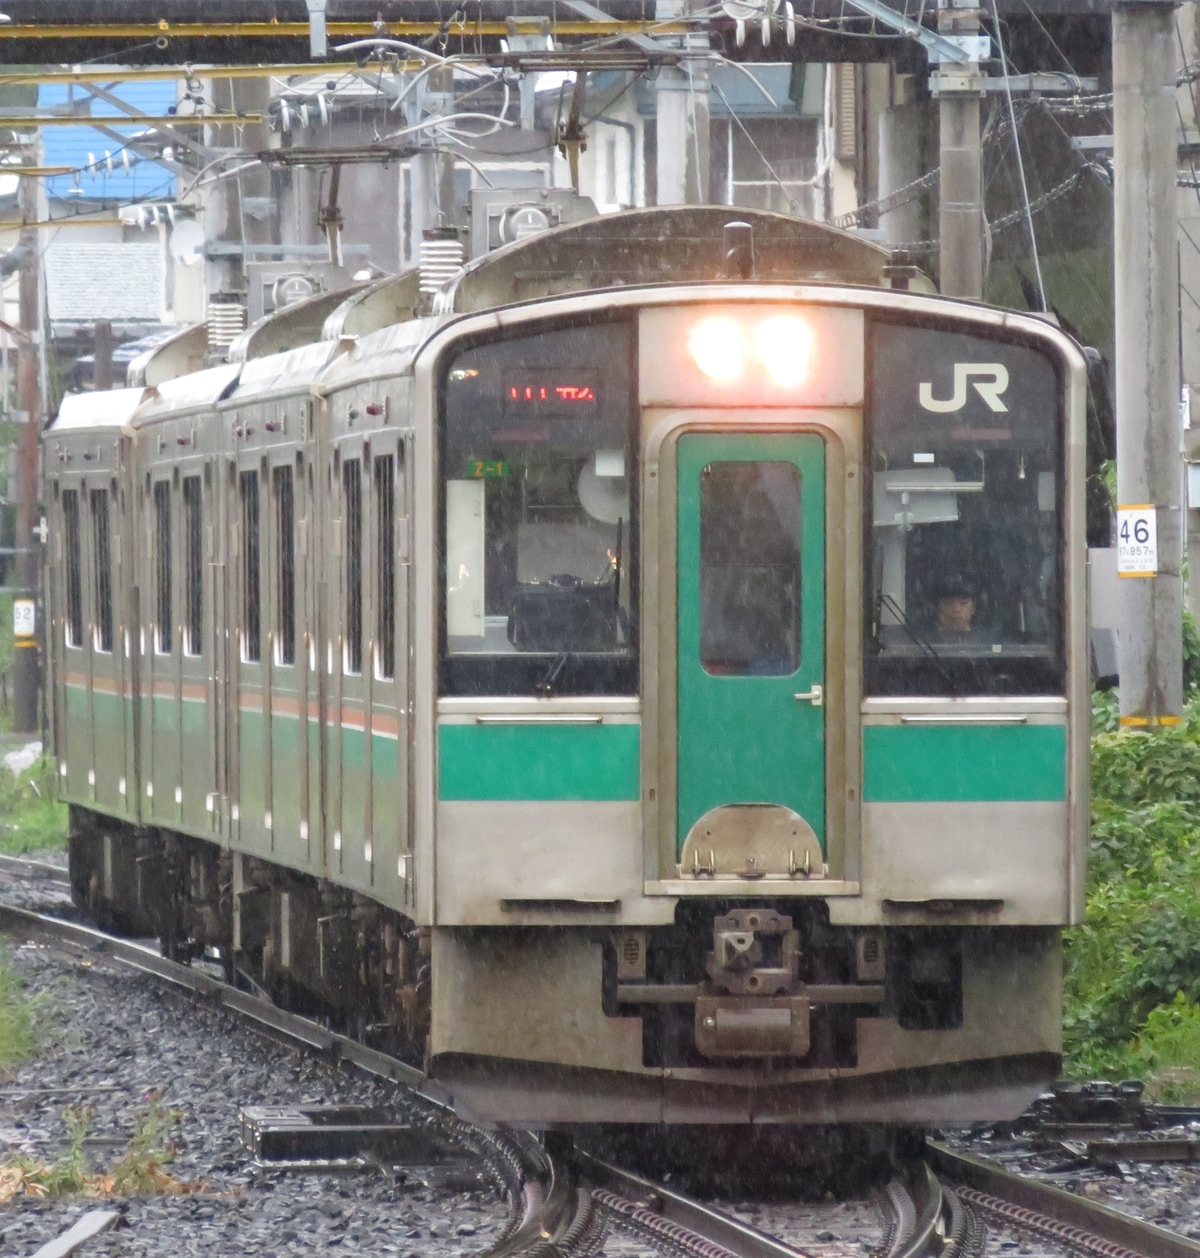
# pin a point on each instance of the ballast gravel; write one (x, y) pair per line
(121, 1045)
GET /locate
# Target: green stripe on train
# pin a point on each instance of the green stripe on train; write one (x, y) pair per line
(510, 762)
(955, 763)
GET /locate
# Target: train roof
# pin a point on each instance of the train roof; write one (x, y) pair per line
(298, 324)
(665, 244)
(291, 371)
(105, 408)
(197, 391)
(661, 245)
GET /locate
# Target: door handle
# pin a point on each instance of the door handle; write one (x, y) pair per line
(815, 696)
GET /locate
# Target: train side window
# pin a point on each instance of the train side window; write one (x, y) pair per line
(162, 566)
(352, 489)
(102, 626)
(385, 566)
(74, 571)
(251, 570)
(193, 590)
(285, 593)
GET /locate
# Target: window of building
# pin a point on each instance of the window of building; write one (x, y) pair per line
(102, 630)
(352, 488)
(162, 567)
(385, 565)
(285, 593)
(193, 508)
(74, 573)
(251, 570)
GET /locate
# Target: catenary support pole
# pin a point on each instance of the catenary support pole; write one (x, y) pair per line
(26, 672)
(682, 120)
(102, 355)
(1150, 646)
(901, 127)
(960, 196)
(432, 188)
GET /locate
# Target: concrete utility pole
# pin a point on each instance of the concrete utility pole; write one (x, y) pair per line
(681, 105)
(238, 213)
(901, 128)
(960, 199)
(102, 355)
(1146, 273)
(683, 143)
(27, 567)
(432, 168)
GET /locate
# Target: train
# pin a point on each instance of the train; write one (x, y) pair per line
(638, 677)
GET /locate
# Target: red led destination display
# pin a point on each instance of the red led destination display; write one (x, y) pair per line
(556, 392)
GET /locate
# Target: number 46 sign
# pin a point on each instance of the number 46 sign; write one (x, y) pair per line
(1137, 541)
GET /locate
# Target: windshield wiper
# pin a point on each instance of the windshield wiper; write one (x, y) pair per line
(563, 658)
(886, 601)
(557, 664)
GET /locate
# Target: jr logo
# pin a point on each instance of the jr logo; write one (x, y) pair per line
(991, 383)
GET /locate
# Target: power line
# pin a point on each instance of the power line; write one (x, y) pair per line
(1012, 117)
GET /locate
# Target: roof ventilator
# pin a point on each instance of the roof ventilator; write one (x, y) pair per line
(441, 258)
(226, 322)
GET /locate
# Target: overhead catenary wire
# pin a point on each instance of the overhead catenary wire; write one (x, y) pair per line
(1179, 113)
(1012, 118)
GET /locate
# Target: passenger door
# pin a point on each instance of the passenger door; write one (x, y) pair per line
(751, 648)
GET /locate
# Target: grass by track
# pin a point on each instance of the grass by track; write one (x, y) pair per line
(31, 819)
(1133, 974)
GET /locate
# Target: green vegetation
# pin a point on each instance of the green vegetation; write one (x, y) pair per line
(1133, 979)
(18, 1032)
(140, 1171)
(30, 817)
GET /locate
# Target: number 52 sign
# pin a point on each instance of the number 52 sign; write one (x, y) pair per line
(1137, 541)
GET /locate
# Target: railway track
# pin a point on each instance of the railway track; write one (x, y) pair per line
(562, 1201)
(28, 868)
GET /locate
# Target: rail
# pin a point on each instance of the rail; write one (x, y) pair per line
(1077, 1222)
(553, 1214)
(561, 1200)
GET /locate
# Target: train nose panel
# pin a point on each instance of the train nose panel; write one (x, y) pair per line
(751, 841)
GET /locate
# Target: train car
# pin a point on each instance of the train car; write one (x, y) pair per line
(644, 682)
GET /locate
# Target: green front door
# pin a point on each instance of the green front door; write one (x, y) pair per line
(751, 624)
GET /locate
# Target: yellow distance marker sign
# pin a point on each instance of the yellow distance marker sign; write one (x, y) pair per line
(1137, 541)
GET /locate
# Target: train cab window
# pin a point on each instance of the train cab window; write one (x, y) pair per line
(102, 626)
(964, 582)
(74, 567)
(285, 592)
(385, 567)
(193, 590)
(352, 489)
(750, 569)
(539, 531)
(162, 567)
(251, 569)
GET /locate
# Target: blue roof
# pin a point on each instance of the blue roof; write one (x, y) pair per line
(70, 146)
